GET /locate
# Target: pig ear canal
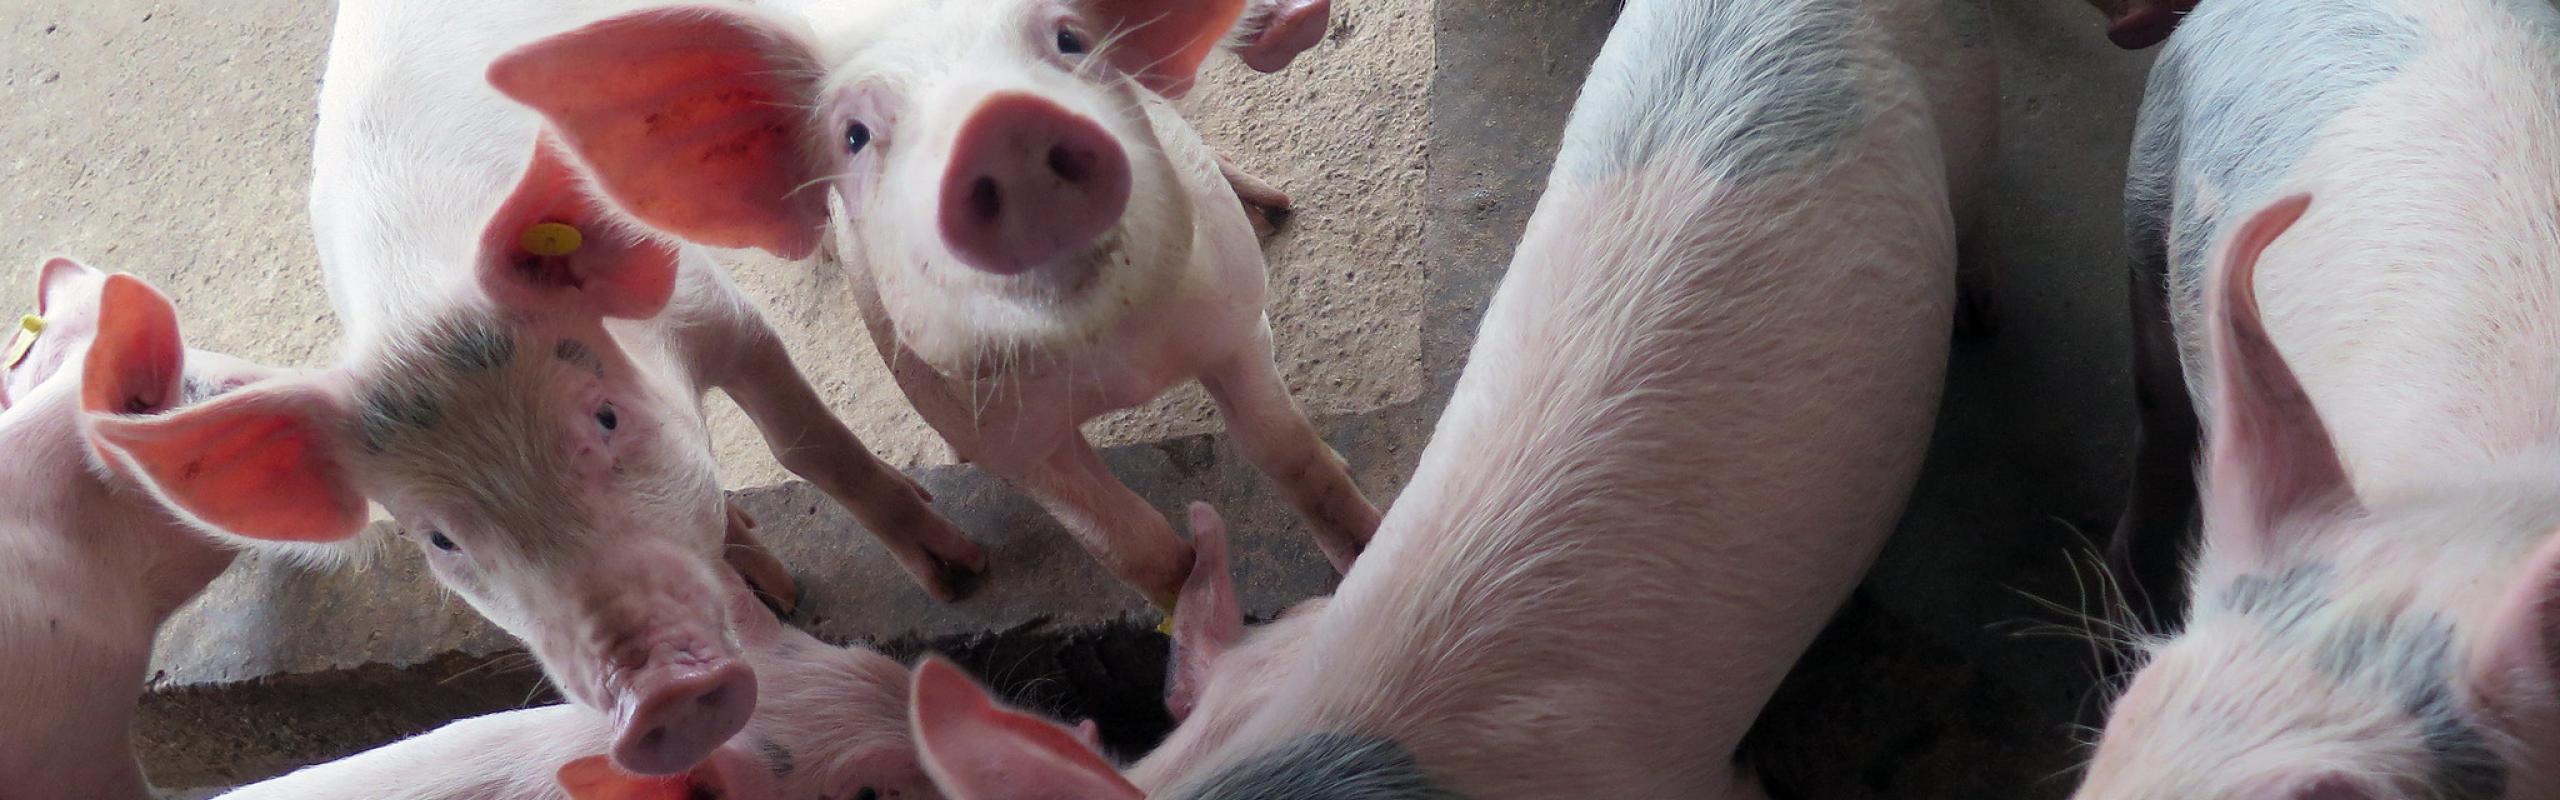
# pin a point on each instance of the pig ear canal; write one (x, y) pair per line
(260, 463)
(596, 778)
(59, 275)
(976, 749)
(1161, 43)
(555, 248)
(1207, 620)
(694, 119)
(2270, 457)
(137, 361)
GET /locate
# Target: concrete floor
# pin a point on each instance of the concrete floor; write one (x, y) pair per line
(168, 140)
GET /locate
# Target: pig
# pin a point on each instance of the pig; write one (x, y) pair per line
(2345, 208)
(94, 566)
(2139, 24)
(520, 387)
(832, 727)
(1037, 237)
(1690, 418)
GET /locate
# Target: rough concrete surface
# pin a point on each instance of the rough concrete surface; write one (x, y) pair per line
(169, 140)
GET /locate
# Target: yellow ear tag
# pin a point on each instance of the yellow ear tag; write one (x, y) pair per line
(552, 239)
(1166, 627)
(29, 327)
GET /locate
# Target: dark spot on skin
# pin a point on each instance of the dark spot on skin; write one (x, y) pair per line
(1338, 766)
(476, 348)
(192, 470)
(577, 354)
(386, 415)
(53, 624)
(776, 758)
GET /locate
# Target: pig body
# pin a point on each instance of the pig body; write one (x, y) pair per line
(520, 386)
(2373, 603)
(832, 726)
(1038, 237)
(1690, 418)
(92, 566)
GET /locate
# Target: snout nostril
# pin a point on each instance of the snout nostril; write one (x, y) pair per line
(986, 202)
(1071, 166)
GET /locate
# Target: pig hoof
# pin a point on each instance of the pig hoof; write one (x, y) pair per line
(1266, 221)
(958, 582)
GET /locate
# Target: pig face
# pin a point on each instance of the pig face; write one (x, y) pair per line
(1001, 177)
(561, 489)
(2343, 647)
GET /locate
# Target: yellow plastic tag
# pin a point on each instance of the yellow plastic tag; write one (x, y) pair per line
(1166, 627)
(29, 327)
(551, 239)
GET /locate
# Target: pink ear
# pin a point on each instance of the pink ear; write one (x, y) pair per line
(2269, 456)
(610, 269)
(136, 362)
(58, 275)
(1207, 621)
(976, 750)
(694, 119)
(1161, 42)
(595, 778)
(2520, 655)
(256, 463)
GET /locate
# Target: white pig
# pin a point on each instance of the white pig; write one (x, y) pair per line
(1691, 417)
(520, 386)
(2376, 605)
(832, 727)
(89, 566)
(1038, 237)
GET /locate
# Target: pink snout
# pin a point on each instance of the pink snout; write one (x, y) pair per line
(1030, 182)
(671, 716)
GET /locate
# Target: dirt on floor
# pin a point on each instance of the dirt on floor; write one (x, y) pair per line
(172, 141)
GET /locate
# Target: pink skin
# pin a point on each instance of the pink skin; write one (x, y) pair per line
(1281, 29)
(838, 714)
(94, 565)
(1008, 324)
(1701, 386)
(2137, 24)
(532, 421)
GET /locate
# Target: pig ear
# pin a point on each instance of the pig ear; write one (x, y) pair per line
(692, 118)
(59, 275)
(977, 750)
(595, 778)
(2269, 457)
(258, 463)
(1160, 42)
(137, 361)
(2522, 648)
(1207, 621)
(555, 248)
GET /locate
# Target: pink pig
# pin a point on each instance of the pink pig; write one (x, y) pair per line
(1690, 418)
(1039, 237)
(92, 566)
(831, 726)
(2375, 607)
(521, 387)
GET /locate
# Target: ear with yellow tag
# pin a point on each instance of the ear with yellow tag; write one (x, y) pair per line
(555, 247)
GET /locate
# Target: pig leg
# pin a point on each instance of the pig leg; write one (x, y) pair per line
(1281, 30)
(1131, 539)
(763, 573)
(1275, 434)
(813, 444)
(1264, 205)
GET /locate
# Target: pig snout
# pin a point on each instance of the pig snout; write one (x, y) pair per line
(676, 708)
(1029, 182)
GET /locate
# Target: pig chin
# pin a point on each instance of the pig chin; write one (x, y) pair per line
(977, 326)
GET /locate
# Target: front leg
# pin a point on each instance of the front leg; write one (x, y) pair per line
(811, 442)
(1275, 434)
(1118, 527)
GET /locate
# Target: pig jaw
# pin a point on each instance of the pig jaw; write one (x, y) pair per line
(944, 300)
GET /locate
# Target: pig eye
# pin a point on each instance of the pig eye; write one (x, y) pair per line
(856, 137)
(1069, 43)
(606, 419)
(442, 542)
